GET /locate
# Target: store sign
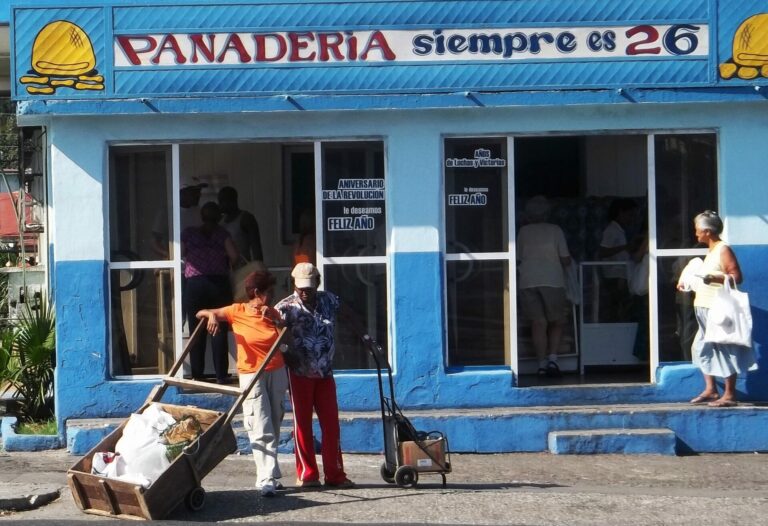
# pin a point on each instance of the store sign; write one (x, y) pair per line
(473, 196)
(444, 45)
(354, 215)
(165, 50)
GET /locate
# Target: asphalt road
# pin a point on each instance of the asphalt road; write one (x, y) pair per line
(482, 489)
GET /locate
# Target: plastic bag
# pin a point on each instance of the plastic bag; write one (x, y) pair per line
(729, 320)
(108, 464)
(638, 279)
(689, 277)
(145, 456)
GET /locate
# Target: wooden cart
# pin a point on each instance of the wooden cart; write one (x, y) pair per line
(181, 482)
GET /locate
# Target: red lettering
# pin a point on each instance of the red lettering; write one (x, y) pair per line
(330, 42)
(261, 47)
(169, 44)
(351, 46)
(206, 49)
(651, 36)
(377, 41)
(127, 44)
(297, 44)
(234, 43)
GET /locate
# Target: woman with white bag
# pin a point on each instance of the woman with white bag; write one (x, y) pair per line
(716, 359)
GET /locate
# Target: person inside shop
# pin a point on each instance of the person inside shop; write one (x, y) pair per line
(189, 215)
(716, 360)
(241, 225)
(256, 328)
(311, 317)
(304, 248)
(209, 253)
(542, 253)
(615, 301)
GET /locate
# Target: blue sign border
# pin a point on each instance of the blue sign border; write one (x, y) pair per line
(102, 23)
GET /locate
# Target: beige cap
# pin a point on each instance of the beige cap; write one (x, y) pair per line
(305, 276)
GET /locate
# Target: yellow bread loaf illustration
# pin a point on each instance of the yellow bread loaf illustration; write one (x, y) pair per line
(62, 48)
(750, 50)
(750, 43)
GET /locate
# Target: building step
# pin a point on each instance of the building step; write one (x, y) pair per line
(658, 441)
(698, 429)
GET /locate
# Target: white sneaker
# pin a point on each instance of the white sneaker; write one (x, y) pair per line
(268, 490)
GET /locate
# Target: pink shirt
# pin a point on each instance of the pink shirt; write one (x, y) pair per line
(205, 254)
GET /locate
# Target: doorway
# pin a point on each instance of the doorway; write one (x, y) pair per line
(617, 208)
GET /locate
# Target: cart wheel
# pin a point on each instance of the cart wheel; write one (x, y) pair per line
(406, 477)
(387, 474)
(195, 499)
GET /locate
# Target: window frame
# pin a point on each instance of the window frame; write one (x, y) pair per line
(511, 353)
(314, 145)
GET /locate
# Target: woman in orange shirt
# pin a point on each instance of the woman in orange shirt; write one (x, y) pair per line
(255, 325)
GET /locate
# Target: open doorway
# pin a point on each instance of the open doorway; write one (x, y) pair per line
(594, 190)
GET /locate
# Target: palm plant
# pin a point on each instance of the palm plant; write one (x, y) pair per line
(27, 361)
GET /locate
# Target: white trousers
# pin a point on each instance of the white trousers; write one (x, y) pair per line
(263, 412)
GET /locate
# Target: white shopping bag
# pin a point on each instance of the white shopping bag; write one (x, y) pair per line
(730, 319)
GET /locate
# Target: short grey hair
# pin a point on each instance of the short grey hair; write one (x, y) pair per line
(537, 209)
(709, 220)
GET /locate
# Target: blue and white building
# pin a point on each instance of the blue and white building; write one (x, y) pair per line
(407, 136)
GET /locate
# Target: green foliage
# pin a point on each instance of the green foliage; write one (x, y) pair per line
(47, 427)
(9, 140)
(27, 361)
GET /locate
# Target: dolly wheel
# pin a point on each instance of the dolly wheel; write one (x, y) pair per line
(387, 474)
(406, 477)
(195, 499)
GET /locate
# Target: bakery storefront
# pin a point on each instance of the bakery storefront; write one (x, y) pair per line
(406, 142)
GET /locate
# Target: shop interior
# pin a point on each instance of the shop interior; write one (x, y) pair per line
(276, 183)
(607, 340)
(585, 179)
(580, 177)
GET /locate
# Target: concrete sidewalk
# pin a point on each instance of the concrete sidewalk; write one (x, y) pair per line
(536, 488)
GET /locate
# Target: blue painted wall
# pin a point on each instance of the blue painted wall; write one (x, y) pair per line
(413, 148)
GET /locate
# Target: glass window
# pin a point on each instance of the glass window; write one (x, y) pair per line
(362, 288)
(686, 184)
(677, 319)
(353, 199)
(476, 227)
(476, 195)
(140, 204)
(477, 312)
(354, 230)
(142, 321)
(141, 252)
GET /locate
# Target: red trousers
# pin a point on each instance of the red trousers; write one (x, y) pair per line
(318, 394)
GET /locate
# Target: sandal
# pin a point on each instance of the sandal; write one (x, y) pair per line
(704, 399)
(723, 403)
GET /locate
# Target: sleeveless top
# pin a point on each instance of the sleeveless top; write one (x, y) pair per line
(706, 293)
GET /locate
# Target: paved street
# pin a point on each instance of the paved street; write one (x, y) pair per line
(483, 489)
